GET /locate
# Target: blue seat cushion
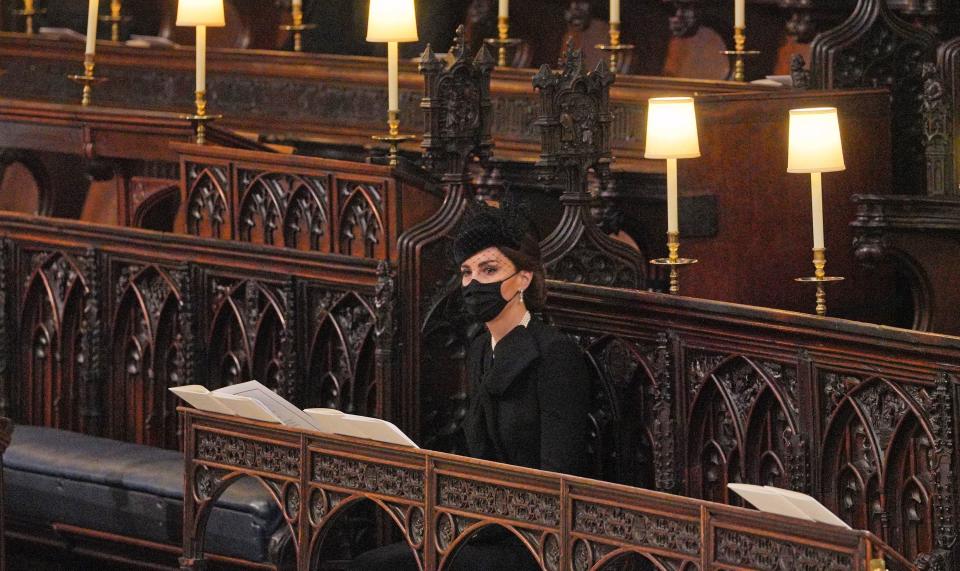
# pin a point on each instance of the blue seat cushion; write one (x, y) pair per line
(56, 476)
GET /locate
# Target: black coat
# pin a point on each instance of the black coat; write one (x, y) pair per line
(529, 400)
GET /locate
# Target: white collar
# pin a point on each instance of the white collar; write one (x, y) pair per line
(524, 321)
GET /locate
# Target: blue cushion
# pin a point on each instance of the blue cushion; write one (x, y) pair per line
(55, 476)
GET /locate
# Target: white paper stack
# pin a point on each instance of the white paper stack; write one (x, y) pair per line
(770, 499)
(255, 401)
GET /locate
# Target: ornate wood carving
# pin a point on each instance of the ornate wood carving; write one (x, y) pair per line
(207, 202)
(368, 476)
(246, 325)
(502, 501)
(456, 105)
(145, 342)
(875, 48)
(756, 552)
(52, 309)
(637, 528)
(239, 452)
(574, 122)
(340, 351)
(937, 129)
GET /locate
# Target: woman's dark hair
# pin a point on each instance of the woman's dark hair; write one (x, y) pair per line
(508, 229)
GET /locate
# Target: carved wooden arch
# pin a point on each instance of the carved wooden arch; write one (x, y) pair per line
(307, 215)
(50, 323)
(261, 213)
(358, 210)
(624, 376)
(145, 329)
(238, 334)
(627, 552)
(209, 484)
(352, 336)
(881, 428)
(322, 521)
(462, 533)
(207, 202)
(718, 429)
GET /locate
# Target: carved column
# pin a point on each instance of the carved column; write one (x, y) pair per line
(90, 362)
(574, 123)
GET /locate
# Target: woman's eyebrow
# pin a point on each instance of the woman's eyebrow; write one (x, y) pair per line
(488, 262)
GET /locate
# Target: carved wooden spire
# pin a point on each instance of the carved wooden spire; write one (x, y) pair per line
(574, 122)
(456, 106)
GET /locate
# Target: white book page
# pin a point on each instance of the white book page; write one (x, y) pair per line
(280, 407)
(200, 398)
(811, 507)
(328, 419)
(379, 430)
(246, 407)
(769, 501)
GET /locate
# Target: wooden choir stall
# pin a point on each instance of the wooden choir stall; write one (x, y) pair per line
(291, 250)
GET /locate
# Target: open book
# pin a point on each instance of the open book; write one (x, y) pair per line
(255, 401)
(769, 499)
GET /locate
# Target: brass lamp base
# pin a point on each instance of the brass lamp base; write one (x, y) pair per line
(503, 41)
(28, 15)
(820, 279)
(615, 47)
(674, 261)
(738, 54)
(393, 137)
(298, 30)
(114, 22)
(88, 80)
(200, 125)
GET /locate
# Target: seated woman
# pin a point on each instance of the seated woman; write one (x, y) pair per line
(529, 385)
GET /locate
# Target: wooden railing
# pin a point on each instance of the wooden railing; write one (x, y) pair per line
(438, 501)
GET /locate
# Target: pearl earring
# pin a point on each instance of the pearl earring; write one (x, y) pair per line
(521, 296)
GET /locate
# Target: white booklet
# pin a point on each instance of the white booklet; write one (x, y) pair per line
(284, 410)
(337, 422)
(223, 402)
(255, 401)
(770, 499)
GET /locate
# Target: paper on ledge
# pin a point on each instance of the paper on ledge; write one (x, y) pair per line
(770, 499)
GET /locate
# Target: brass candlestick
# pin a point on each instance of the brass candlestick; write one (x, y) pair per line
(115, 18)
(615, 47)
(504, 40)
(820, 279)
(200, 118)
(88, 79)
(298, 27)
(674, 261)
(394, 138)
(738, 53)
(28, 13)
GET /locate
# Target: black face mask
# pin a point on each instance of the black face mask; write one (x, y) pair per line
(483, 301)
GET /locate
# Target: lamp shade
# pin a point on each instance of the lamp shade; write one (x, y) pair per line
(815, 141)
(200, 13)
(392, 21)
(671, 129)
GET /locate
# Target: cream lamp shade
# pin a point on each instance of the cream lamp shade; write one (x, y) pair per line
(814, 141)
(201, 13)
(671, 129)
(392, 21)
